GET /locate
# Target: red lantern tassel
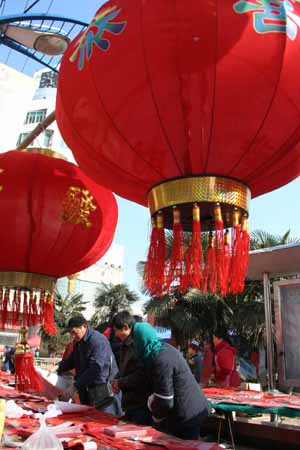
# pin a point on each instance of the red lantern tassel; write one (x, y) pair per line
(5, 309)
(227, 261)
(209, 278)
(1, 304)
(245, 253)
(25, 309)
(219, 249)
(150, 266)
(43, 301)
(34, 312)
(159, 276)
(16, 308)
(195, 256)
(176, 265)
(27, 378)
(236, 256)
(49, 325)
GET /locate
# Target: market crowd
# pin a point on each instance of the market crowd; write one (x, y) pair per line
(129, 371)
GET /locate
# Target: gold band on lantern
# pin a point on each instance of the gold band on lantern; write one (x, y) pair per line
(27, 281)
(45, 152)
(198, 189)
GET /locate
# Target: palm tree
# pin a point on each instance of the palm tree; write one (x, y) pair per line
(66, 307)
(263, 239)
(109, 301)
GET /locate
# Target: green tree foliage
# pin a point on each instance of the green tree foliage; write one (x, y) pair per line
(109, 301)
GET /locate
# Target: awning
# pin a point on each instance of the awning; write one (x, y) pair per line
(276, 261)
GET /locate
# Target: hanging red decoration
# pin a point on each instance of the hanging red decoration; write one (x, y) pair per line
(55, 221)
(171, 104)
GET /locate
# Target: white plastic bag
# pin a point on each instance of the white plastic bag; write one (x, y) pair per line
(14, 411)
(43, 439)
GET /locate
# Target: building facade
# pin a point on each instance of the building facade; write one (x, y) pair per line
(108, 270)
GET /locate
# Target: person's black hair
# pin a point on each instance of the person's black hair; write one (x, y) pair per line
(138, 318)
(123, 318)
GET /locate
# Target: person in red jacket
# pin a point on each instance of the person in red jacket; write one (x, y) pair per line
(225, 374)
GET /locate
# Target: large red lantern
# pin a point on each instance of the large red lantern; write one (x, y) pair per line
(189, 107)
(54, 222)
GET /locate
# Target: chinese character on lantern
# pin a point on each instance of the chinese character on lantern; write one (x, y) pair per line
(77, 206)
(93, 35)
(279, 16)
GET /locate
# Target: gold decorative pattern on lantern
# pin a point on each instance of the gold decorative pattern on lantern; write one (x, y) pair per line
(212, 189)
(77, 206)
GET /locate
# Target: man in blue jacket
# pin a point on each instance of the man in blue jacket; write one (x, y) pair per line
(94, 364)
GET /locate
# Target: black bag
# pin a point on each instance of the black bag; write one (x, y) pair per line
(101, 395)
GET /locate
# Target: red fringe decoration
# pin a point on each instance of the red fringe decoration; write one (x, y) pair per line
(49, 325)
(1, 304)
(34, 318)
(26, 309)
(194, 256)
(43, 301)
(245, 244)
(159, 275)
(227, 260)
(5, 303)
(176, 265)
(219, 249)
(236, 246)
(16, 306)
(150, 266)
(27, 378)
(209, 278)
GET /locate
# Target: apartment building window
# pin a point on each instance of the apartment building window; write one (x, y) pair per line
(21, 138)
(48, 137)
(48, 79)
(36, 116)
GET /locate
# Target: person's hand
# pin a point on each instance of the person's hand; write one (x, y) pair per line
(115, 386)
(156, 420)
(76, 398)
(52, 369)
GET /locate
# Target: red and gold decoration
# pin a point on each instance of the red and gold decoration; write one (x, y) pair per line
(27, 378)
(170, 105)
(54, 222)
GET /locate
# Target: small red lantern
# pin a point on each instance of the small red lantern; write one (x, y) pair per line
(188, 107)
(54, 222)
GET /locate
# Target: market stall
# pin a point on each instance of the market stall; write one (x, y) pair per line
(91, 428)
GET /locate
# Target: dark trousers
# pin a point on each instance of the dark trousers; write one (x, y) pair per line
(188, 430)
(139, 416)
(92, 396)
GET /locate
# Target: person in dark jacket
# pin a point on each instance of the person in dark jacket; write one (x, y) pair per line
(132, 379)
(94, 365)
(195, 360)
(177, 403)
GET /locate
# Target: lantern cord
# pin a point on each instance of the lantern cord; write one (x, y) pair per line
(37, 131)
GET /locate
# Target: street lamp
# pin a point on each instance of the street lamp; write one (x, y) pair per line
(49, 43)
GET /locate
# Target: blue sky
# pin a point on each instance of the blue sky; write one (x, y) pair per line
(275, 212)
